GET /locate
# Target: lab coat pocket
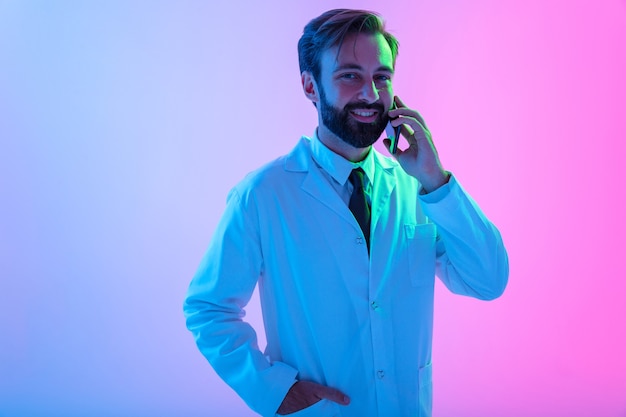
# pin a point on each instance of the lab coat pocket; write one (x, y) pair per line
(322, 408)
(425, 391)
(421, 243)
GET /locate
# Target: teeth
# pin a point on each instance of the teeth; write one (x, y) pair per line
(364, 113)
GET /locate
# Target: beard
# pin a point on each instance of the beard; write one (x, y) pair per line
(351, 131)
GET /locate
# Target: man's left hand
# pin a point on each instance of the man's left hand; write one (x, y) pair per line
(420, 159)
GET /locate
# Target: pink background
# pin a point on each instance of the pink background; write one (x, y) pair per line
(124, 124)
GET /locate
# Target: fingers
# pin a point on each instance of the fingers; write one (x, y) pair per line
(407, 133)
(412, 129)
(402, 110)
(398, 152)
(413, 120)
(397, 110)
(333, 394)
(304, 394)
(408, 127)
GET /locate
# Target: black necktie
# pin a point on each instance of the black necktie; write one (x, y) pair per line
(358, 203)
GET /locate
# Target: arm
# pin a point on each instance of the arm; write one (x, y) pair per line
(214, 306)
(471, 258)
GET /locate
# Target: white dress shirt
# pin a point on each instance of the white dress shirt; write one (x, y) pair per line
(332, 313)
(336, 169)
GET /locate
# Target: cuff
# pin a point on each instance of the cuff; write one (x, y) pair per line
(283, 377)
(439, 194)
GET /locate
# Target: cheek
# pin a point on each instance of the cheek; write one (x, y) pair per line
(385, 90)
(386, 95)
(343, 96)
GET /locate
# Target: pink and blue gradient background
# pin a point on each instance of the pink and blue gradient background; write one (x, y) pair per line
(124, 124)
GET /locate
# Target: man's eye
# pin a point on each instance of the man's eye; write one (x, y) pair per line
(349, 76)
(383, 78)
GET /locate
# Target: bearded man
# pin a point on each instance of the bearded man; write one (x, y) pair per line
(345, 244)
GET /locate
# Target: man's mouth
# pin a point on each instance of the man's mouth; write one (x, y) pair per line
(364, 116)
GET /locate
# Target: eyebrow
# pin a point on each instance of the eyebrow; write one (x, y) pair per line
(344, 67)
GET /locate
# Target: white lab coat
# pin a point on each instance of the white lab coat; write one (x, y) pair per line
(333, 314)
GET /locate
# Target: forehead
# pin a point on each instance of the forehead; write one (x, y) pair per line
(369, 51)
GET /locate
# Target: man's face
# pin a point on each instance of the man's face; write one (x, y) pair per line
(355, 89)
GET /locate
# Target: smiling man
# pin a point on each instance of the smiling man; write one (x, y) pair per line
(344, 244)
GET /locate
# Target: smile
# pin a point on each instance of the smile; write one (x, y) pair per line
(364, 116)
(363, 113)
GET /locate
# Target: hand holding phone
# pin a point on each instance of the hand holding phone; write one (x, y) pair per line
(393, 133)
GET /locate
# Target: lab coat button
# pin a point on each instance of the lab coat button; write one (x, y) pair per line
(375, 306)
(380, 373)
(359, 240)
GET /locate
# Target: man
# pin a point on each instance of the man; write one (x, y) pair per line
(344, 244)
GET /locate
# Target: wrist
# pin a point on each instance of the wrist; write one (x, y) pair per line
(434, 181)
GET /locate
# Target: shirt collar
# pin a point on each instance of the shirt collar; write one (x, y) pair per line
(338, 167)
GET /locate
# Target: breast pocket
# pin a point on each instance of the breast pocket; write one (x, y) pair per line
(421, 242)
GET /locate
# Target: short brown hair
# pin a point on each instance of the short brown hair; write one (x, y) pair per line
(330, 29)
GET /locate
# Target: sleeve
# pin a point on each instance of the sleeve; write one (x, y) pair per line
(471, 257)
(214, 311)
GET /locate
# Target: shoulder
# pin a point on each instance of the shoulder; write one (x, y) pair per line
(264, 176)
(284, 171)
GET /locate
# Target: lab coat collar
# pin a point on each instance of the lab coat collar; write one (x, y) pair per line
(301, 160)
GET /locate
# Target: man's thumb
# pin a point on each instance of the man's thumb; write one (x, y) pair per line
(334, 395)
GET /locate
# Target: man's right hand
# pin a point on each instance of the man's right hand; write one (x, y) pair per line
(304, 394)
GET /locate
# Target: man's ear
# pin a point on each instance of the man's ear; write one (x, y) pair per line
(309, 86)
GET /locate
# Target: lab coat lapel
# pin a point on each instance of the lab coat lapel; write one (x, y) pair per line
(315, 183)
(317, 186)
(384, 183)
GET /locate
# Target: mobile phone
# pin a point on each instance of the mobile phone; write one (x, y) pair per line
(393, 133)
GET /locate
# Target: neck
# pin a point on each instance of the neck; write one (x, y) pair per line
(337, 145)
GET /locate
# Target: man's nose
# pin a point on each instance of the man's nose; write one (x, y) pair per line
(369, 92)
